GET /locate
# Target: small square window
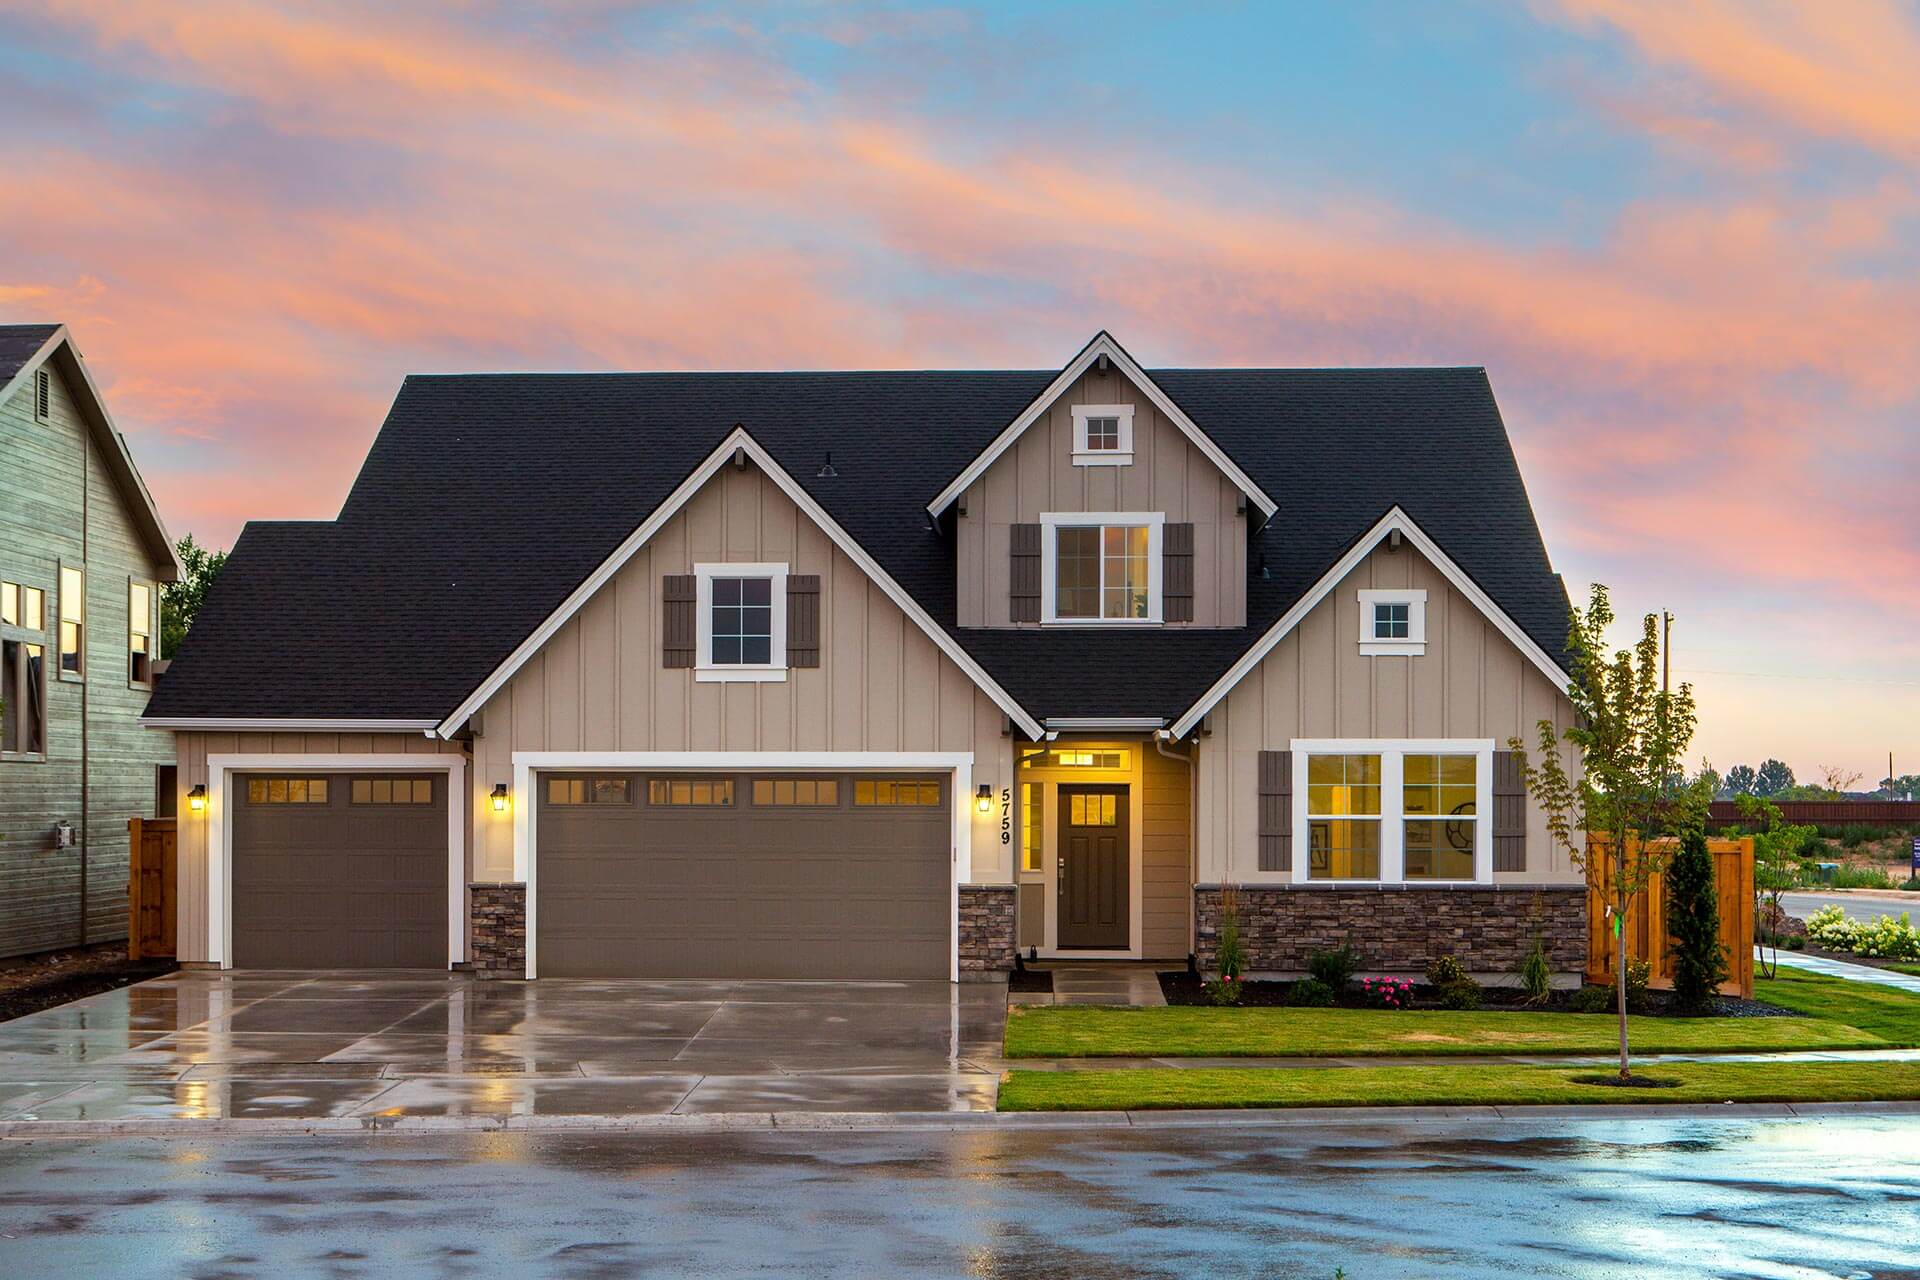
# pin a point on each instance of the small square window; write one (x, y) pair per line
(1102, 435)
(1393, 623)
(1390, 621)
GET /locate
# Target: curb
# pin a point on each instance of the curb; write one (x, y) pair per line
(937, 1121)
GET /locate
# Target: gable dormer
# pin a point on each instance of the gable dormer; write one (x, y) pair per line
(1102, 505)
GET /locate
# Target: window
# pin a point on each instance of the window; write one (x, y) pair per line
(42, 394)
(23, 693)
(392, 791)
(822, 792)
(889, 791)
(286, 790)
(1394, 811)
(1343, 817)
(1443, 788)
(139, 633)
(23, 607)
(1100, 568)
(73, 617)
(698, 792)
(1393, 623)
(1032, 826)
(1102, 435)
(742, 612)
(1082, 759)
(1093, 811)
(589, 791)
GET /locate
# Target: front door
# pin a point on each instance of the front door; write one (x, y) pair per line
(1093, 891)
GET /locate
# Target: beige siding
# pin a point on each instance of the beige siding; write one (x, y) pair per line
(599, 684)
(1470, 683)
(1166, 875)
(1167, 475)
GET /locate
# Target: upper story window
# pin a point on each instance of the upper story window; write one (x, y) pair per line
(742, 621)
(1393, 622)
(1102, 435)
(23, 675)
(1101, 567)
(1394, 811)
(73, 621)
(139, 633)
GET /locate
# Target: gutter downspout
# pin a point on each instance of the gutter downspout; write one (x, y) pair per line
(1160, 739)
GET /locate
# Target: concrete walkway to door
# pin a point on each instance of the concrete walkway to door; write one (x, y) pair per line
(1114, 982)
(289, 1045)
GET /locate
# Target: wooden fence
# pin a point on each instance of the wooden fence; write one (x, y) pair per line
(1826, 813)
(151, 865)
(1646, 931)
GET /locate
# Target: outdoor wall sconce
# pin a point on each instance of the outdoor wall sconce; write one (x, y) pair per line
(197, 798)
(983, 799)
(499, 797)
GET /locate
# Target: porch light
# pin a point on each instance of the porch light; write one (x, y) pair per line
(983, 799)
(499, 797)
(197, 798)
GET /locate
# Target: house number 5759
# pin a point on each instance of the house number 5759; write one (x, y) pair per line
(1006, 815)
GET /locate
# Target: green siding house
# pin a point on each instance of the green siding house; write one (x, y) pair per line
(82, 554)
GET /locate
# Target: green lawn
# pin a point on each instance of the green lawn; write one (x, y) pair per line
(1488, 1084)
(1890, 1014)
(1073, 1031)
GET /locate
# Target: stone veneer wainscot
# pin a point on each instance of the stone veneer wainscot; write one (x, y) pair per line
(987, 944)
(499, 917)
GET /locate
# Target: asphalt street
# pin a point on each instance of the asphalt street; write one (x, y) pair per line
(1608, 1197)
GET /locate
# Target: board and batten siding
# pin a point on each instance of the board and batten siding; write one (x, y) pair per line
(1472, 682)
(1166, 856)
(1037, 475)
(192, 750)
(601, 684)
(59, 504)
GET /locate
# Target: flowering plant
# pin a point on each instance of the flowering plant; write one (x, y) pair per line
(1387, 993)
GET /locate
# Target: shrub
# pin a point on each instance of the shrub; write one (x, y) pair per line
(1536, 978)
(1445, 970)
(1639, 974)
(1911, 883)
(1795, 942)
(1231, 957)
(1386, 993)
(1693, 921)
(1311, 993)
(1850, 877)
(1591, 1000)
(1334, 969)
(1462, 993)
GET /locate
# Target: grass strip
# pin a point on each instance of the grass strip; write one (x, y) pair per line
(1476, 1084)
(1073, 1031)
(1887, 1012)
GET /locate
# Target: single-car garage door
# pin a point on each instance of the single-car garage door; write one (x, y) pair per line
(340, 871)
(743, 876)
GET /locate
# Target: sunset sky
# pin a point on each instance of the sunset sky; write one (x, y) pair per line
(1684, 239)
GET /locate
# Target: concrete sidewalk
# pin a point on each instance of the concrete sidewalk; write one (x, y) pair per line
(1851, 972)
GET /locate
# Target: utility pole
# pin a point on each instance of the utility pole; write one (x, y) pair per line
(1666, 651)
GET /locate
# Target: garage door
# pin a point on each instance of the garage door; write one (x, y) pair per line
(743, 876)
(340, 870)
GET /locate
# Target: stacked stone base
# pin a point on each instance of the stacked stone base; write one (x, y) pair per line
(498, 912)
(987, 923)
(1398, 930)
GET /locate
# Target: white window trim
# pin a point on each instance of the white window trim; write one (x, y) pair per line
(1051, 522)
(706, 670)
(60, 620)
(1415, 643)
(1392, 831)
(1116, 457)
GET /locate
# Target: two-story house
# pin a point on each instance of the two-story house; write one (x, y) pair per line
(82, 555)
(835, 675)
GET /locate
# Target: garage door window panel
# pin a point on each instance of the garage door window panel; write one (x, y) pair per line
(601, 791)
(385, 791)
(691, 793)
(800, 792)
(891, 791)
(287, 791)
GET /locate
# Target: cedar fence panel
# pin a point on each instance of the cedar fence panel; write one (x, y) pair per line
(1646, 928)
(151, 863)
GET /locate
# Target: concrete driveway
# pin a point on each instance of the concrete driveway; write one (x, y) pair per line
(290, 1045)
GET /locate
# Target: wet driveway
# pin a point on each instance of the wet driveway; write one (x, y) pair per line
(290, 1045)
(1548, 1197)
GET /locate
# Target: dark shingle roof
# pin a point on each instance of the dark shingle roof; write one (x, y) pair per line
(487, 498)
(19, 343)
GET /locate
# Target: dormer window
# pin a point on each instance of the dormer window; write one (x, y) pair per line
(1102, 435)
(1393, 623)
(1101, 567)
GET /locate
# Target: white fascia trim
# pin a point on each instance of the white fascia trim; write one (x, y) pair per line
(1392, 816)
(1083, 724)
(1122, 454)
(229, 725)
(1394, 519)
(220, 832)
(1052, 521)
(705, 669)
(526, 860)
(1103, 344)
(737, 440)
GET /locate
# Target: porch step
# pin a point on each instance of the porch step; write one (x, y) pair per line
(1099, 985)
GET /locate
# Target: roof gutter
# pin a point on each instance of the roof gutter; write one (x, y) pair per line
(1087, 724)
(229, 724)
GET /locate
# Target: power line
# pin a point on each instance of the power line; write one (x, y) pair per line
(1785, 675)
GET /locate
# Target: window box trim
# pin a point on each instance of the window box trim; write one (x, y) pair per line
(706, 670)
(1414, 645)
(1051, 522)
(60, 624)
(1116, 457)
(1392, 752)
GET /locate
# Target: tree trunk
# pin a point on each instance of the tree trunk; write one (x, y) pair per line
(1620, 945)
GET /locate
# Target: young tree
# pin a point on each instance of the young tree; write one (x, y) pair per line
(1838, 779)
(1709, 780)
(179, 601)
(1632, 736)
(1773, 775)
(1693, 921)
(1777, 845)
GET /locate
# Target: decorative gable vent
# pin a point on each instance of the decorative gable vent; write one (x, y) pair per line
(42, 394)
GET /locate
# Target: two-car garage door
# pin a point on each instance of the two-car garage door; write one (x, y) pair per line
(743, 875)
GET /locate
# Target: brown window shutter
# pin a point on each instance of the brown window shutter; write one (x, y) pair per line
(1176, 572)
(1276, 811)
(803, 620)
(1509, 813)
(678, 591)
(1023, 598)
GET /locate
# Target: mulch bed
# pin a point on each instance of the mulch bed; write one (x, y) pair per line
(1187, 989)
(29, 984)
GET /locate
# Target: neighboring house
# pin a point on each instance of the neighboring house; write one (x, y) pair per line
(82, 555)
(883, 675)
